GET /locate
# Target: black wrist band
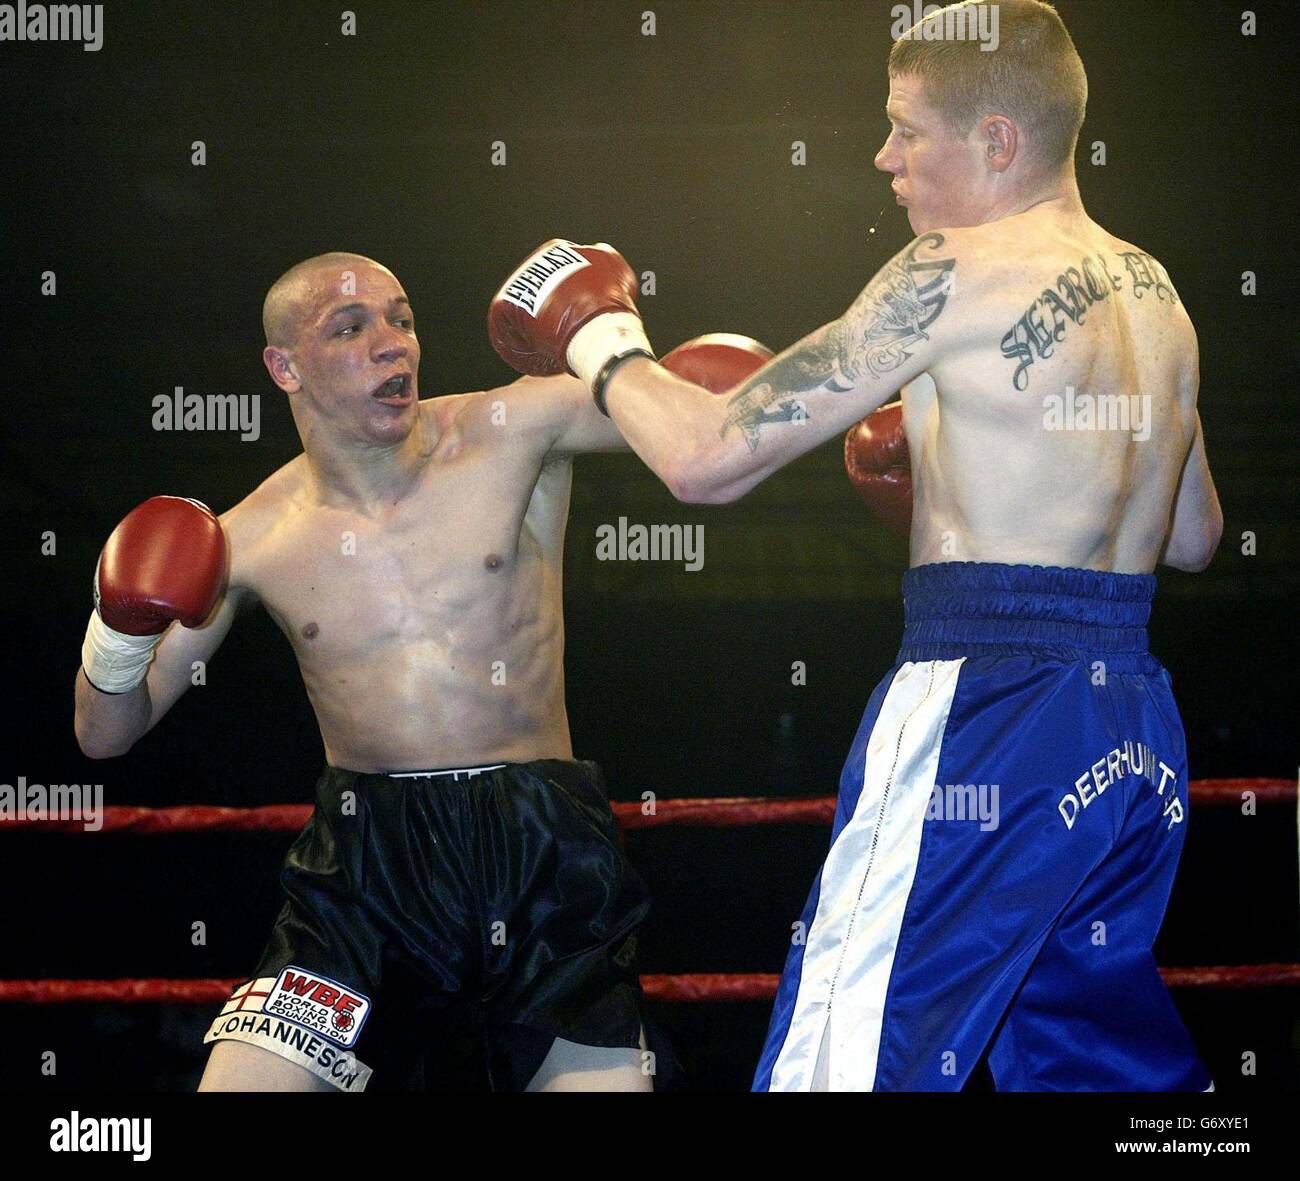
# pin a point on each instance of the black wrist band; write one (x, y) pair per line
(607, 371)
(105, 692)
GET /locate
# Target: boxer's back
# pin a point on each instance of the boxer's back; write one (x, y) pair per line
(1056, 437)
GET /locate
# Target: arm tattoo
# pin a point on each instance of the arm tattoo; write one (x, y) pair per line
(872, 337)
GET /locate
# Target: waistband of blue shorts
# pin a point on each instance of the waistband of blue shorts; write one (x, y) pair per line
(956, 609)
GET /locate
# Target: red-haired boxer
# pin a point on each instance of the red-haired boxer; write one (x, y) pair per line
(459, 861)
(1012, 809)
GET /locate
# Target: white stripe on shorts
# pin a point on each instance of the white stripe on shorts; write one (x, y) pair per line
(835, 1023)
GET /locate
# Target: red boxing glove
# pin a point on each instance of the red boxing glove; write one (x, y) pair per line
(879, 467)
(719, 361)
(166, 561)
(558, 289)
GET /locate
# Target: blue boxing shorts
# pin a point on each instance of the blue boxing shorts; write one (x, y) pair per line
(1009, 821)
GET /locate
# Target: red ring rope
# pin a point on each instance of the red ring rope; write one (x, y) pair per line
(703, 813)
(695, 986)
(701, 986)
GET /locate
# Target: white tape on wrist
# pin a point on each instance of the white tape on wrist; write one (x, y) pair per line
(115, 662)
(602, 338)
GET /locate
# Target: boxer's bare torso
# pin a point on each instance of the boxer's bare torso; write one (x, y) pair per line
(1055, 432)
(428, 626)
(411, 554)
(430, 633)
(1048, 374)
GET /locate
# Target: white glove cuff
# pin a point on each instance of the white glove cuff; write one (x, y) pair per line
(604, 337)
(115, 662)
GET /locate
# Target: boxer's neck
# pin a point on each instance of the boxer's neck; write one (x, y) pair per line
(368, 478)
(1061, 194)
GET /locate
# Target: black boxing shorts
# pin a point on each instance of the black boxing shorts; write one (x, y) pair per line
(418, 901)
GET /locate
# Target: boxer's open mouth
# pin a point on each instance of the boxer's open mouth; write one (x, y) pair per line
(396, 390)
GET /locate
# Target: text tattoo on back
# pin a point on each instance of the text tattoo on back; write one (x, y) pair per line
(1036, 334)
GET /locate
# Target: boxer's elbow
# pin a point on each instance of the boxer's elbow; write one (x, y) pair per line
(1210, 534)
(1193, 550)
(97, 741)
(97, 753)
(95, 745)
(691, 488)
(698, 478)
(1188, 565)
(1203, 554)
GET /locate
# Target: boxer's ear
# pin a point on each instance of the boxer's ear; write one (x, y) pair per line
(1002, 141)
(279, 364)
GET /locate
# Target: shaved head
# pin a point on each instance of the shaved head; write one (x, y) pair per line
(295, 294)
(341, 343)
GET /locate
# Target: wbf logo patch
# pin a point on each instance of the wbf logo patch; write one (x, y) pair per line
(321, 1004)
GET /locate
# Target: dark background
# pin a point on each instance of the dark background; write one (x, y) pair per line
(675, 148)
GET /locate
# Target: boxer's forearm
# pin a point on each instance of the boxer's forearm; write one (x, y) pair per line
(1196, 524)
(670, 423)
(579, 427)
(109, 724)
(817, 388)
(715, 449)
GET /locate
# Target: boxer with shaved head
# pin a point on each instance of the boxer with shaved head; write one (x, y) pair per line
(460, 863)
